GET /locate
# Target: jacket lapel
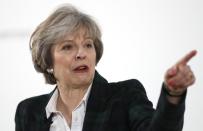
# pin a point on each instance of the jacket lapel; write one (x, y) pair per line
(95, 113)
(43, 123)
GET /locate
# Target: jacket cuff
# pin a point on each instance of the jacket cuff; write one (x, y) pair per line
(166, 107)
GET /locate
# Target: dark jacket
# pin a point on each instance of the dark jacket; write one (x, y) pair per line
(121, 106)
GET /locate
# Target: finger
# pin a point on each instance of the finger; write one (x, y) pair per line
(177, 82)
(187, 58)
(190, 79)
(171, 72)
(175, 79)
(190, 82)
(183, 79)
(179, 77)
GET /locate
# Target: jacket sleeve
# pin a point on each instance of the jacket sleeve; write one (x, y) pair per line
(142, 116)
(168, 116)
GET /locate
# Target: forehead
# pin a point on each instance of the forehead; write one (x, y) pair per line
(80, 33)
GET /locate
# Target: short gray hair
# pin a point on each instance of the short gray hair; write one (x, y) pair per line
(65, 19)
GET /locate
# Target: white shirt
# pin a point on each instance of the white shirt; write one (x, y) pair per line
(59, 121)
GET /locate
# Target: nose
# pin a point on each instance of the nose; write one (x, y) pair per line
(80, 54)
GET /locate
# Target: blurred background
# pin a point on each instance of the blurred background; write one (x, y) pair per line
(142, 39)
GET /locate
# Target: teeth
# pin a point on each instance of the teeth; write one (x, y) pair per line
(81, 68)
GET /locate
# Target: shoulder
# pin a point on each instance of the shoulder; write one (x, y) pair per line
(131, 84)
(33, 101)
(128, 88)
(30, 110)
(125, 85)
(33, 104)
(131, 93)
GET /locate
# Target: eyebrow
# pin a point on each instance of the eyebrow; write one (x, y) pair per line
(89, 38)
(63, 41)
(70, 40)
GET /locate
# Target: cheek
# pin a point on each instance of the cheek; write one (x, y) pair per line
(61, 68)
(60, 62)
(93, 60)
(94, 57)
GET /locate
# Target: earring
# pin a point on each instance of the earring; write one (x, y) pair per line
(50, 70)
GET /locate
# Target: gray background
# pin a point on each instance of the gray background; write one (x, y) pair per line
(142, 39)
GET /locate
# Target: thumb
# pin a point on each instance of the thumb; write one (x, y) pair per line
(171, 72)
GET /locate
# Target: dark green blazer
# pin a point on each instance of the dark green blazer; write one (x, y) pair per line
(121, 106)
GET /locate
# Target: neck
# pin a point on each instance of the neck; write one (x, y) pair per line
(69, 99)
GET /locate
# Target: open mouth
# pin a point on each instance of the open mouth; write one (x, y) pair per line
(81, 69)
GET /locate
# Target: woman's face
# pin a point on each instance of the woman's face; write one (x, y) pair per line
(74, 60)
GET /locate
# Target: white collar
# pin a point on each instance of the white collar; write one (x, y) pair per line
(51, 106)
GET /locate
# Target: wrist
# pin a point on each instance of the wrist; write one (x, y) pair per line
(172, 93)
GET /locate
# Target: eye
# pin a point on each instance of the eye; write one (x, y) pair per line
(89, 44)
(67, 47)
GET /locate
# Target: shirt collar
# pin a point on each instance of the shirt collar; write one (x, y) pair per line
(51, 106)
(86, 96)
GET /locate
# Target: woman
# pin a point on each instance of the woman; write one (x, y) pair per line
(66, 48)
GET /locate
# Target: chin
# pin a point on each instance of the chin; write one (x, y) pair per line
(85, 80)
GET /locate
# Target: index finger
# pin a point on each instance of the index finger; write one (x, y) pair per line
(187, 57)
